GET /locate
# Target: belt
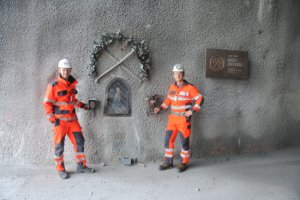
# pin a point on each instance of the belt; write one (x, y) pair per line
(68, 119)
(178, 113)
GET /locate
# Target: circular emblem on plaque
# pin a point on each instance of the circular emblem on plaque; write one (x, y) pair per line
(216, 63)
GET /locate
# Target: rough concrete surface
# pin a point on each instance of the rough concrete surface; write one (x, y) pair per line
(259, 114)
(269, 176)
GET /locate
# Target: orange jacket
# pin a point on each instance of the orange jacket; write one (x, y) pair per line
(60, 100)
(181, 99)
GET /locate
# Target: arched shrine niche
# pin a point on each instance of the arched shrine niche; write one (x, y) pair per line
(118, 98)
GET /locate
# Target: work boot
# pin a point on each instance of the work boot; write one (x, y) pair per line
(84, 169)
(181, 167)
(165, 166)
(63, 174)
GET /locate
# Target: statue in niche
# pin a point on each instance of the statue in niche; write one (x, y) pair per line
(118, 98)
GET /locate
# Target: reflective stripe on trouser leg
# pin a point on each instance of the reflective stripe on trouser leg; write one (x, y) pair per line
(185, 156)
(80, 158)
(169, 145)
(77, 140)
(185, 151)
(59, 157)
(59, 143)
(59, 163)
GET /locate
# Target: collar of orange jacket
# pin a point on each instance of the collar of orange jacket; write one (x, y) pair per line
(184, 83)
(70, 81)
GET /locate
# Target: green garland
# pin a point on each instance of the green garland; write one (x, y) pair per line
(109, 38)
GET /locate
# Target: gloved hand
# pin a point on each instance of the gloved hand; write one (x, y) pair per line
(188, 113)
(55, 122)
(52, 119)
(86, 107)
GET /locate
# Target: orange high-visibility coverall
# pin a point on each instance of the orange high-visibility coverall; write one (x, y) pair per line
(59, 104)
(180, 100)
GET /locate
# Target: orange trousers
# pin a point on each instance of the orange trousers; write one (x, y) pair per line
(74, 132)
(181, 125)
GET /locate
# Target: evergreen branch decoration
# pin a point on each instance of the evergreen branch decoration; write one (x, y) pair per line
(138, 46)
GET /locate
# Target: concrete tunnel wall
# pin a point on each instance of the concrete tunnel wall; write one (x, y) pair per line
(238, 116)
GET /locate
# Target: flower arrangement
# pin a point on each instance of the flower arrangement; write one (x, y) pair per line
(153, 101)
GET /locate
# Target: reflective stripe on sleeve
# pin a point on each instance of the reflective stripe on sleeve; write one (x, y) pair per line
(48, 100)
(50, 115)
(172, 98)
(164, 105)
(75, 103)
(197, 106)
(197, 97)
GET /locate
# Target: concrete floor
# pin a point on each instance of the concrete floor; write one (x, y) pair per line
(266, 176)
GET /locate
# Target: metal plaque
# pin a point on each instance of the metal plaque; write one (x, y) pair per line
(222, 63)
(118, 98)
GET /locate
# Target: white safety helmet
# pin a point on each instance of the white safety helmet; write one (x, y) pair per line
(178, 68)
(64, 63)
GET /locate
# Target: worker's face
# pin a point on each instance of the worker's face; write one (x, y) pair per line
(65, 72)
(178, 76)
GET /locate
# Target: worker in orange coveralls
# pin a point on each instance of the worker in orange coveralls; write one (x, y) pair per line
(180, 98)
(59, 103)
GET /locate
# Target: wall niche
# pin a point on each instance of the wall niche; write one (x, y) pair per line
(118, 98)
